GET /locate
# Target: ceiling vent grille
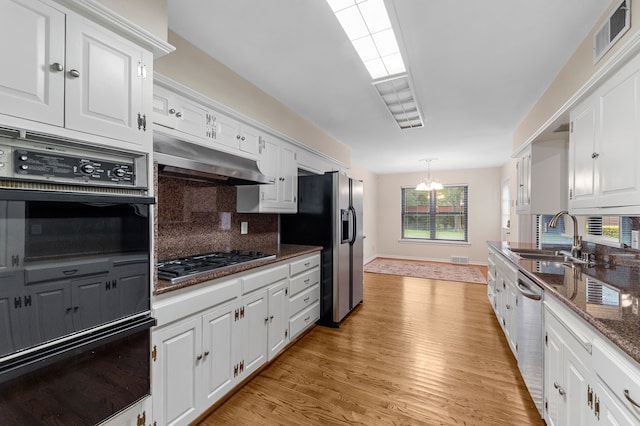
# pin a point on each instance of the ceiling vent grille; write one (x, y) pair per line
(612, 29)
(397, 95)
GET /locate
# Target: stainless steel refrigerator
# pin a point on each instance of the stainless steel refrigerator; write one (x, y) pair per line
(330, 215)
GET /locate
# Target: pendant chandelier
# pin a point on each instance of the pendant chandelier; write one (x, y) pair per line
(429, 184)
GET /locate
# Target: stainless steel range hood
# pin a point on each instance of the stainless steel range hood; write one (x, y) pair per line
(186, 160)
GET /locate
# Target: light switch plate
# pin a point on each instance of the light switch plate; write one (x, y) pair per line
(244, 228)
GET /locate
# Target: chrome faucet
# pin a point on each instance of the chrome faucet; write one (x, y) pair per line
(576, 248)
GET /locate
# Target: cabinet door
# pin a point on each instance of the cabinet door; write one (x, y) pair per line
(607, 411)
(553, 376)
(576, 388)
(31, 42)
(278, 318)
(219, 355)
(268, 164)
(523, 175)
(104, 82)
(582, 141)
(191, 118)
(228, 131)
(619, 147)
(175, 372)
(511, 317)
(254, 332)
(249, 140)
(52, 310)
(289, 175)
(164, 110)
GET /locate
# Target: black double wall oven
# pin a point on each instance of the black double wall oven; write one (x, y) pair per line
(74, 281)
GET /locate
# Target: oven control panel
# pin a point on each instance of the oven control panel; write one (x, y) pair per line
(51, 164)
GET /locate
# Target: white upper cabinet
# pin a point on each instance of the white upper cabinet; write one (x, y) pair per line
(67, 71)
(108, 82)
(278, 160)
(542, 178)
(605, 146)
(176, 112)
(32, 47)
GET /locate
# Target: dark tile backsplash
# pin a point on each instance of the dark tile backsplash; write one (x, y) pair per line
(195, 217)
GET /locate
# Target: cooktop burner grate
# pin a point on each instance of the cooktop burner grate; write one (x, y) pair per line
(176, 270)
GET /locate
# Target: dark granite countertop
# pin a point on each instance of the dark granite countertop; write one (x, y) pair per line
(607, 296)
(283, 252)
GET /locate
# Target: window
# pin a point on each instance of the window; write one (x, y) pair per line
(546, 235)
(435, 215)
(613, 229)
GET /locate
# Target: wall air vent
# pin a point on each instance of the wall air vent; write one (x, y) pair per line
(612, 29)
(397, 95)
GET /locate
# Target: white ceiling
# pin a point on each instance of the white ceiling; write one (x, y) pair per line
(477, 67)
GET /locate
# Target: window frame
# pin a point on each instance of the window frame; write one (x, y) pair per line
(433, 214)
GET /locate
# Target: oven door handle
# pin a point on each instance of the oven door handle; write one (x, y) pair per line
(37, 359)
(22, 195)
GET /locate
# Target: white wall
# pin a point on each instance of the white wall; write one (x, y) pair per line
(484, 215)
(370, 209)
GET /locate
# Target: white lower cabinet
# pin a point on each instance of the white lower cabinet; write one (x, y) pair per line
(504, 301)
(193, 366)
(567, 375)
(211, 337)
(587, 380)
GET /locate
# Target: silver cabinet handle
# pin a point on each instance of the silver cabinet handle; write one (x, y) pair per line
(560, 390)
(178, 114)
(206, 353)
(199, 357)
(628, 396)
(74, 73)
(57, 66)
(595, 155)
(242, 138)
(172, 111)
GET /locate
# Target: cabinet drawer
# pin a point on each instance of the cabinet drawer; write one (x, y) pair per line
(304, 319)
(306, 280)
(263, 278)
(305, 264)
(304, 299)
(619, 374)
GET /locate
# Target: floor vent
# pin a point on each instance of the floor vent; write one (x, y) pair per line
(612, 29)
(460, 259)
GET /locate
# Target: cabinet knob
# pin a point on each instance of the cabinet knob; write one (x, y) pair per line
(172, 111)
(271, 318)
(266, 320)
(595, 155)
(242, 138)
(178, 114)
(238, 137)
(74, 73)
(199, 357)
(206, 353)
(560, 390)
(57, 66)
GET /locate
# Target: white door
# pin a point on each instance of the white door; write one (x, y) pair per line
(32, 51)
(269, 166)
(289, 173)
(219, 355)
(575, 388)
(104, 83)
(249, 140)
(581, 150)
(278, 321)
(617, 161)
(175, 372)
(227, 131)
(254, 332)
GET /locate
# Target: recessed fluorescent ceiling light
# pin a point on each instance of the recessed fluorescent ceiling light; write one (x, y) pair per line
(368, 27)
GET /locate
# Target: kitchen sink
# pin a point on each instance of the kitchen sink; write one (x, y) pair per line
(533, 251)
(548, 257)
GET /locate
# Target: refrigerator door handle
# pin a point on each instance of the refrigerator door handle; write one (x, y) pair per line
(353, 225)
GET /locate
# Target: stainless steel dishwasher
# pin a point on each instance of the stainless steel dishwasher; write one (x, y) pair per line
(529, 337)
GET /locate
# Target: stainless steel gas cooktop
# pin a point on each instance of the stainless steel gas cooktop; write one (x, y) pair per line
(177, 270)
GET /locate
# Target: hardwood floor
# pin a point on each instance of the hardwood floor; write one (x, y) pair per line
(417, 352)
